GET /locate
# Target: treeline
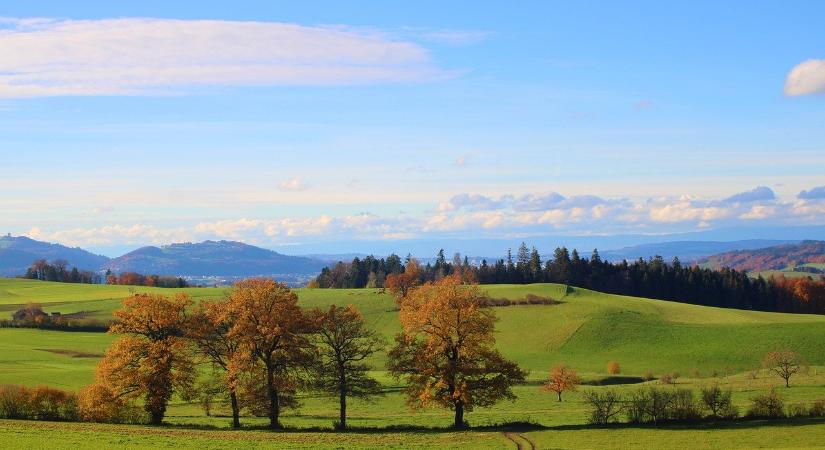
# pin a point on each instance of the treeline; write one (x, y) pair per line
(652, 278)
(58, 271)
(263, 349)
(136, 279)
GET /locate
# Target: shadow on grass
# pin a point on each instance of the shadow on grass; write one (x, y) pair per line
(739, 424)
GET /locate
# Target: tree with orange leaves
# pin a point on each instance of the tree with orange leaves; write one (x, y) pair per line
(272, 332)
(153, 359)
(445, 350)
(209, 329)
(562, 378)
(400, 284)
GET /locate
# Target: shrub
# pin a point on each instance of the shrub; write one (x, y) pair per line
(719, 403)
(695, 373)
(97, 403)
(648, 376)
(613, 368)
(14, 402)
(666, 379)
(649, 405)
(683, 406)
(769, 406)
(606, 406)
(47, 403)
(797, 410)
(817, 409)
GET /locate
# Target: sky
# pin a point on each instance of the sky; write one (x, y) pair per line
(292, 123)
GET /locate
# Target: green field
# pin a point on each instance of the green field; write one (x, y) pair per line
(585, 330)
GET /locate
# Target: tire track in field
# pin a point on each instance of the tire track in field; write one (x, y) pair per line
(521, 441)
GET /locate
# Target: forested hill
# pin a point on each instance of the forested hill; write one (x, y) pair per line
(17, 253)
(226, 258)
(769, 258)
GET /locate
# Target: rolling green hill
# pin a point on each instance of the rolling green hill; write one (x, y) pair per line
(586, 328)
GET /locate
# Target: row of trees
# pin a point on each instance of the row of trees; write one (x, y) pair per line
(137, 279)
(263, 348)
(653, 278)
(58, 271)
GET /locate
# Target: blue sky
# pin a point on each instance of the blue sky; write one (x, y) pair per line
(282, 123)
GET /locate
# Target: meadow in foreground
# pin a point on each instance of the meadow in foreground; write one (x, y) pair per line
(585, 330)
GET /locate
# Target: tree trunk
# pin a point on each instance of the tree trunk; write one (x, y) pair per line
(559, 392)
(236, 420)
(788, 382)
(342, 415)
(459, 416)
(156, 416)
(272, 393)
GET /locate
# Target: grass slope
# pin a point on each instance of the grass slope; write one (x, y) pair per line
(585, 330)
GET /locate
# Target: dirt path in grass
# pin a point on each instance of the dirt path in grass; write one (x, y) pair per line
(521, 441)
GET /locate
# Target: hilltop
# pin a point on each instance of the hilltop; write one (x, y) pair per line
(770, 258)
(18, 252)
(227, 258)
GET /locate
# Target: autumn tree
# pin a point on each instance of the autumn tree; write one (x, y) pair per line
(209, 329)
(153, 359)
(613, 368)
(400, 284)
(562, 378)
(344, 343)
(783, 363)
(271, 329)
(445, 350)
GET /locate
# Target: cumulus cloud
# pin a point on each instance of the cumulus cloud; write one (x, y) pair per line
(817, 193)
(759, 193)
(139, 56)
(466, 215)
(806, 78)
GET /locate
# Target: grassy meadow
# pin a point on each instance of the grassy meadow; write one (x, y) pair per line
(585, 329)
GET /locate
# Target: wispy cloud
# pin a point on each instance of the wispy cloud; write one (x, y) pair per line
(806, 78)
(140, 56)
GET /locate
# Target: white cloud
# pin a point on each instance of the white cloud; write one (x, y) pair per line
(140, 56)
(806, 78)
(473, 215)
(293, 184)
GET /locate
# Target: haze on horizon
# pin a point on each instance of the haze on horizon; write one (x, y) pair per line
(279, 124)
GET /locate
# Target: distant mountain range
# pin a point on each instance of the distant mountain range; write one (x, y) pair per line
(687, 251)
(770, 258)
(236, 259)
(222, 258)
(226, 258)
(18, 253)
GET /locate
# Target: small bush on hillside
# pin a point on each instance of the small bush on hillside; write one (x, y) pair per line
(648, 376)
(695, 373)
(613, 368)
(605, 406)
(718, 402)
(649, 406)
(666, 379)
(46, 403)
(817, 409)
(797, 410)
(768, 406)
(13, 402)
(40, 403)
(683, 406)
(96, 403)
